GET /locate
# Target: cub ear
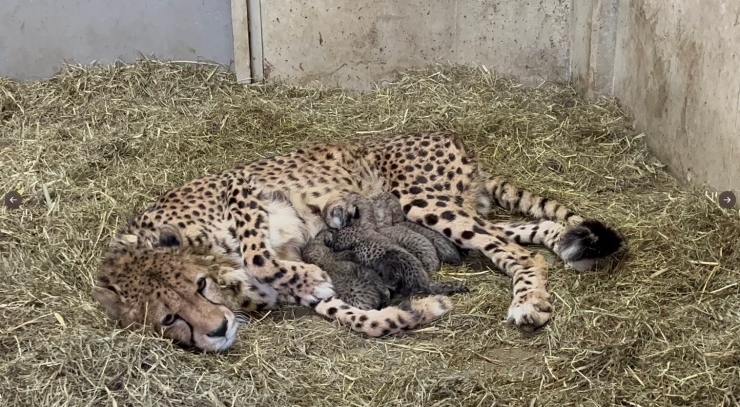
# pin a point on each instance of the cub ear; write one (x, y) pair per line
(169, 236)
(108, 296)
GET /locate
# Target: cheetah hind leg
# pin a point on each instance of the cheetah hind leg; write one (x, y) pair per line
(416, 244)
(447, 252)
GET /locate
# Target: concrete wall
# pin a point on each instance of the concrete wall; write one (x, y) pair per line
(677, 65)
(37, 36)
(673, 63)
(362, 42)
(674, 66)
(593, 42)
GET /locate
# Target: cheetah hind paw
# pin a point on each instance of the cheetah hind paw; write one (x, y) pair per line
(531, 310)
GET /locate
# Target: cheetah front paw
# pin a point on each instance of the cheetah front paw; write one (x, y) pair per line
(530, 310)
(313, 285)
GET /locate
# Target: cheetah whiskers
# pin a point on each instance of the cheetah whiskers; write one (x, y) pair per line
(241, 317)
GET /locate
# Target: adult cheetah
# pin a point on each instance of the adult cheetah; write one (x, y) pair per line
(205, 250)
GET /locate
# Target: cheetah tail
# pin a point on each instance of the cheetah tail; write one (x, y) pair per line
(406, 316)
(517, 200)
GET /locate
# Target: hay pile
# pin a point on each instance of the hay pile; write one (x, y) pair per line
(90, 147)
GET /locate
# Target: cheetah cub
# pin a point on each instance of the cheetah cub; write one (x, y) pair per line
(427, 245)
(355, 284)
(395, 265)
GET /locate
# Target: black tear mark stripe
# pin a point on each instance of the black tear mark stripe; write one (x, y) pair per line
(192, 332)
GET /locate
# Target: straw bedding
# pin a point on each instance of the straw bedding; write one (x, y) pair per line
(90, 147)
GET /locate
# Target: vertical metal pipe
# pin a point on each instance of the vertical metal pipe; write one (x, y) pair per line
(254, 14)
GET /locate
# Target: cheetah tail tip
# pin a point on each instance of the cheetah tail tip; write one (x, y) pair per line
(592, 239)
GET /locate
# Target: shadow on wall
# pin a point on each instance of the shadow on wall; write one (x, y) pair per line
(39, 36)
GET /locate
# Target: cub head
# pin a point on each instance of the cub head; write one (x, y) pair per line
(319, 247)
(388, 209)
(153, 281)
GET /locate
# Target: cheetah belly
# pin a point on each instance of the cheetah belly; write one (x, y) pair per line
(289, 232)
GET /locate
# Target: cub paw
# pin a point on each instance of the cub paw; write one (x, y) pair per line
(449, 288)
(531, 310)
(340, 214)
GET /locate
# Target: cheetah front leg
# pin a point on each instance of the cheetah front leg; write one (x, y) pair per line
(530, 307)
(293, 281)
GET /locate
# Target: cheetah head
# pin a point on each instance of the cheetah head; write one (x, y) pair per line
(158, 284)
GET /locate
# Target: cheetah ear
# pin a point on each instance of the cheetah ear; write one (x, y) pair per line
(273, 195)
(120, 244)
(169, 236)
(108, 296)
(123, 240)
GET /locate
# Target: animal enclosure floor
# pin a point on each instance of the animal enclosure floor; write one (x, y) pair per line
(89, 148)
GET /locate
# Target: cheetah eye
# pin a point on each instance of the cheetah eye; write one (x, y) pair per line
(169, 319)
(202, 285)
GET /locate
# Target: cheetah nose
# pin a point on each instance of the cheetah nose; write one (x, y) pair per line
(221, 331)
